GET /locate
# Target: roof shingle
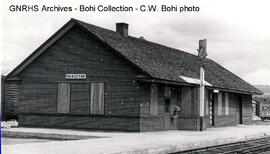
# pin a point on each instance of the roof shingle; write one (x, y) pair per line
(168, 63)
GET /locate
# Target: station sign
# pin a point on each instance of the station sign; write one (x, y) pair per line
(75, 76)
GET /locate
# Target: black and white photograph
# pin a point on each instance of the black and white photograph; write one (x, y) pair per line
(135, 77)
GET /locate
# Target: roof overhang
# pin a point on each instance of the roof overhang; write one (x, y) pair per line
(166, 82)
(194, 81)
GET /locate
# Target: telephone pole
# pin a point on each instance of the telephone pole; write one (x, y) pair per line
(202, 56)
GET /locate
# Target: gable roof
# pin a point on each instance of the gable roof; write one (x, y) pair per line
(158, 61)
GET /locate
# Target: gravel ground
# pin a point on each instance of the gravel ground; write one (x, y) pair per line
(11, 141)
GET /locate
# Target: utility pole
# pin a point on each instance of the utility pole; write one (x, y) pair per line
(202, 56)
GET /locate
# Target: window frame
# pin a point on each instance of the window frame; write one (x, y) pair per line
(167, 90)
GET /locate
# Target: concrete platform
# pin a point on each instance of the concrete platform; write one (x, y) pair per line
(147, 142)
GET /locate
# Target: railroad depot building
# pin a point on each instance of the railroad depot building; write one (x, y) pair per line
(89, 77)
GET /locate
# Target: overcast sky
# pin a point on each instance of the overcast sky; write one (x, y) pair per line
(238, 33)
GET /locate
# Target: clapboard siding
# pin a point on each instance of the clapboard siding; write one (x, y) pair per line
(122, 98)
(154, 99)
(234, 111)
(144, 99)
(79, 53)
(186, 101)
(11, 97)
(80, 98)
(247, 105)
(38, 97)
(247, 109)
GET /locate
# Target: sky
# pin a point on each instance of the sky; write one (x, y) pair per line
(237, 32)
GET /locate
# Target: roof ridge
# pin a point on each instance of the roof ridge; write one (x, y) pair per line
(76, 20)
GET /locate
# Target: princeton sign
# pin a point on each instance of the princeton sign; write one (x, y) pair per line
(75, 76)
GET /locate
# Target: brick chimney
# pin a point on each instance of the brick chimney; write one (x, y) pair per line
(122, 28)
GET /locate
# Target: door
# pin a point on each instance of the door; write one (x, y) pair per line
(240, 110)
(166, 114)
(211, 109)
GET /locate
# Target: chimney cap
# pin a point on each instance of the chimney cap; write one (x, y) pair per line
(141, 37)
(121, 23)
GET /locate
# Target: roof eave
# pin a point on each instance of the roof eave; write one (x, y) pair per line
(168, 82)
(235, 90)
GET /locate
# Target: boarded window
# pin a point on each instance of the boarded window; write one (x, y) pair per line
(97, 98)
(219, 103)
(226, 104)
(167, 91)
(154, 99)
(63, 101)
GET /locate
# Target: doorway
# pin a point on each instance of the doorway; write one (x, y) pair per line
(240, 110)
